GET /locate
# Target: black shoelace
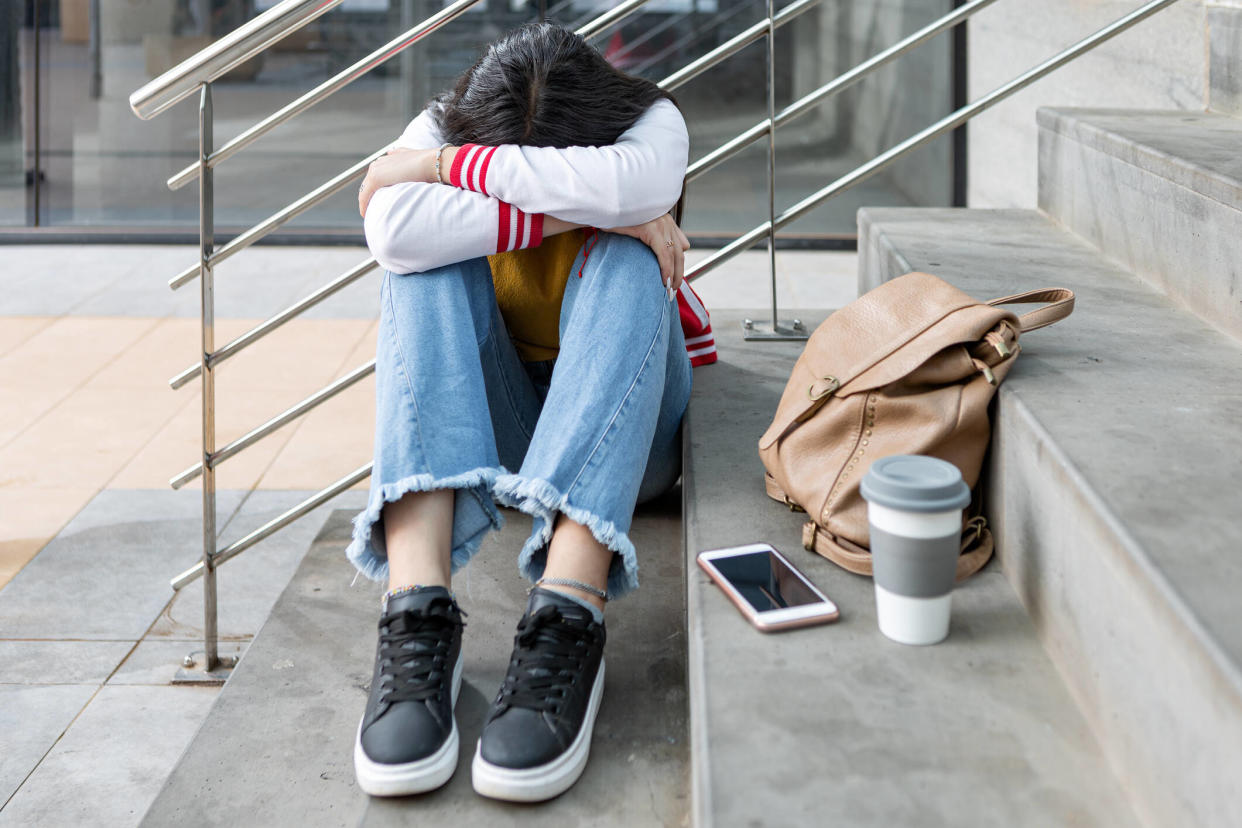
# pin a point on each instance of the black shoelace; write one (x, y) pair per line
(548, 656)
(414, 646)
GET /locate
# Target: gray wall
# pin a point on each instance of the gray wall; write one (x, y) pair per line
(897, 101)
(891, 104)
(1159, 64)
(1224, 25)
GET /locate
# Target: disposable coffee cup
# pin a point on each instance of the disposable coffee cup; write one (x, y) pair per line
(914, 506)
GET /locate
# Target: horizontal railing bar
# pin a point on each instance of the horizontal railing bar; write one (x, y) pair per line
(687, 40)
(348, 76)
(946, 124)
(833, 87)
(281, 419)
(263, 329)
(236, 47)
(325, 89)
(280, 218)
(616, 58)
(274, 525)
(734, 45)
(611, 17)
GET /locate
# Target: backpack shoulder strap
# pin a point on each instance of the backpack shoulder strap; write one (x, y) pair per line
(1059, 303)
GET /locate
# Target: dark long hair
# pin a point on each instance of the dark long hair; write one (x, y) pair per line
(543, 85)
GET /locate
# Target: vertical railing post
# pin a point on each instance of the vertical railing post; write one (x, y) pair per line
(772, 155)
(206, 241)
(794, 330)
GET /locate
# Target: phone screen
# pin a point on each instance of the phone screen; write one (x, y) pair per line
(765, 581)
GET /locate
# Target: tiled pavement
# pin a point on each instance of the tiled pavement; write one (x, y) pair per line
(90, 631)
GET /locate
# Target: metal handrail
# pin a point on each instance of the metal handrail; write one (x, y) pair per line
(324, 90)
(235, 48)
(838, 84)
(735, 44)
(281, 217)
(949, 122)
(275, 525)
(339, 182)
(381, 55)
(611, 17)
(210, 357)
(283, 418)
(272, 323)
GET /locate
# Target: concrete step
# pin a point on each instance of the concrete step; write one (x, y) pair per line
(277, 747)
(1113, 491)
(836, 724)
(1158, 192)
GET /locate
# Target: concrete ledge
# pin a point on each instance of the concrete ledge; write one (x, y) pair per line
(1113, 493)
(836, 723)
(1158, 192)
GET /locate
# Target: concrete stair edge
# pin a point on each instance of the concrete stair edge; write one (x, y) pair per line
(1077, 124)
(1229, 667)
(1159, 192)
(1215, 677)
(834, 696)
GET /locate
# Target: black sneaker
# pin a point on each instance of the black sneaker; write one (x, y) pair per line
(537, 735)
(407, 739)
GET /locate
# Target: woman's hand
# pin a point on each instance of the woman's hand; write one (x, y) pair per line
(668, 243)
(397, 166)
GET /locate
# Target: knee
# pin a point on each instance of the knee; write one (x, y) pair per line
(628, 252)
(631, 275)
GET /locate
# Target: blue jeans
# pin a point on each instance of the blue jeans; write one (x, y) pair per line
(591, 433)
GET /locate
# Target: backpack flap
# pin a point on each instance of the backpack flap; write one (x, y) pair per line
(858, 336)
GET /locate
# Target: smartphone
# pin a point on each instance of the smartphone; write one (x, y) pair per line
(767, 588)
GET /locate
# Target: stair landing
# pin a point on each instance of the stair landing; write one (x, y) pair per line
(277, 747)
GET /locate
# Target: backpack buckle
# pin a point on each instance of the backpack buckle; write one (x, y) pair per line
(833, 385)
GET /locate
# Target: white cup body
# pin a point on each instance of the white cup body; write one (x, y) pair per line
(910, 615)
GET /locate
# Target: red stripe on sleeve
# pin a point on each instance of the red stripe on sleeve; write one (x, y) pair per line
(502, 230)
(521, 230)
(487, 159)
(536, 230)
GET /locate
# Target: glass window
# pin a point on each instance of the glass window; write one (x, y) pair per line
(97, 165)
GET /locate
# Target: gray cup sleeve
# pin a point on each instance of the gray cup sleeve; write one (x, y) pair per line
(914, 567)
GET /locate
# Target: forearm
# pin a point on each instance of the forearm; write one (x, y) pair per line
(630, 182)
(553, 226)
(416, 226)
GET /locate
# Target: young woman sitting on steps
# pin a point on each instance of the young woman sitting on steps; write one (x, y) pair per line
(534, 349)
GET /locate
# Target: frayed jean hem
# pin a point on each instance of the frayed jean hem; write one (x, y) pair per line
(539, 499)
(373, 562)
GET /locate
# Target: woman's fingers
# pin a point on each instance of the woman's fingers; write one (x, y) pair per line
(679, 266)
(365, 191)
(664, 254)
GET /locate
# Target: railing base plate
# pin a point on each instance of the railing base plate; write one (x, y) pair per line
(192, 672)
(785, 331)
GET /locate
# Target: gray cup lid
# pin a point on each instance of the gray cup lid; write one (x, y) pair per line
(915, 483)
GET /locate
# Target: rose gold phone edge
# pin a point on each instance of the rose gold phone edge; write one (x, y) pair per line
(749, 612)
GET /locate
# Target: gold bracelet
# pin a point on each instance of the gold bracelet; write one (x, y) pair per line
(440, 152)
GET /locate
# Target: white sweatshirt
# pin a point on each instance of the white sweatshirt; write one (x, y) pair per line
(499, 196)
(414, 227)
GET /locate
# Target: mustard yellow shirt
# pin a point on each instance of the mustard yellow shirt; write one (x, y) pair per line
(530, 284)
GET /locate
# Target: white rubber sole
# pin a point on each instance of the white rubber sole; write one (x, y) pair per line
(420, 776)
(545, 781)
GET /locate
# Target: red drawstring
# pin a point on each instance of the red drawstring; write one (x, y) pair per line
(591, 236)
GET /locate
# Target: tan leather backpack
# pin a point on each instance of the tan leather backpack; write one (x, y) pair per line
(908, 368)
